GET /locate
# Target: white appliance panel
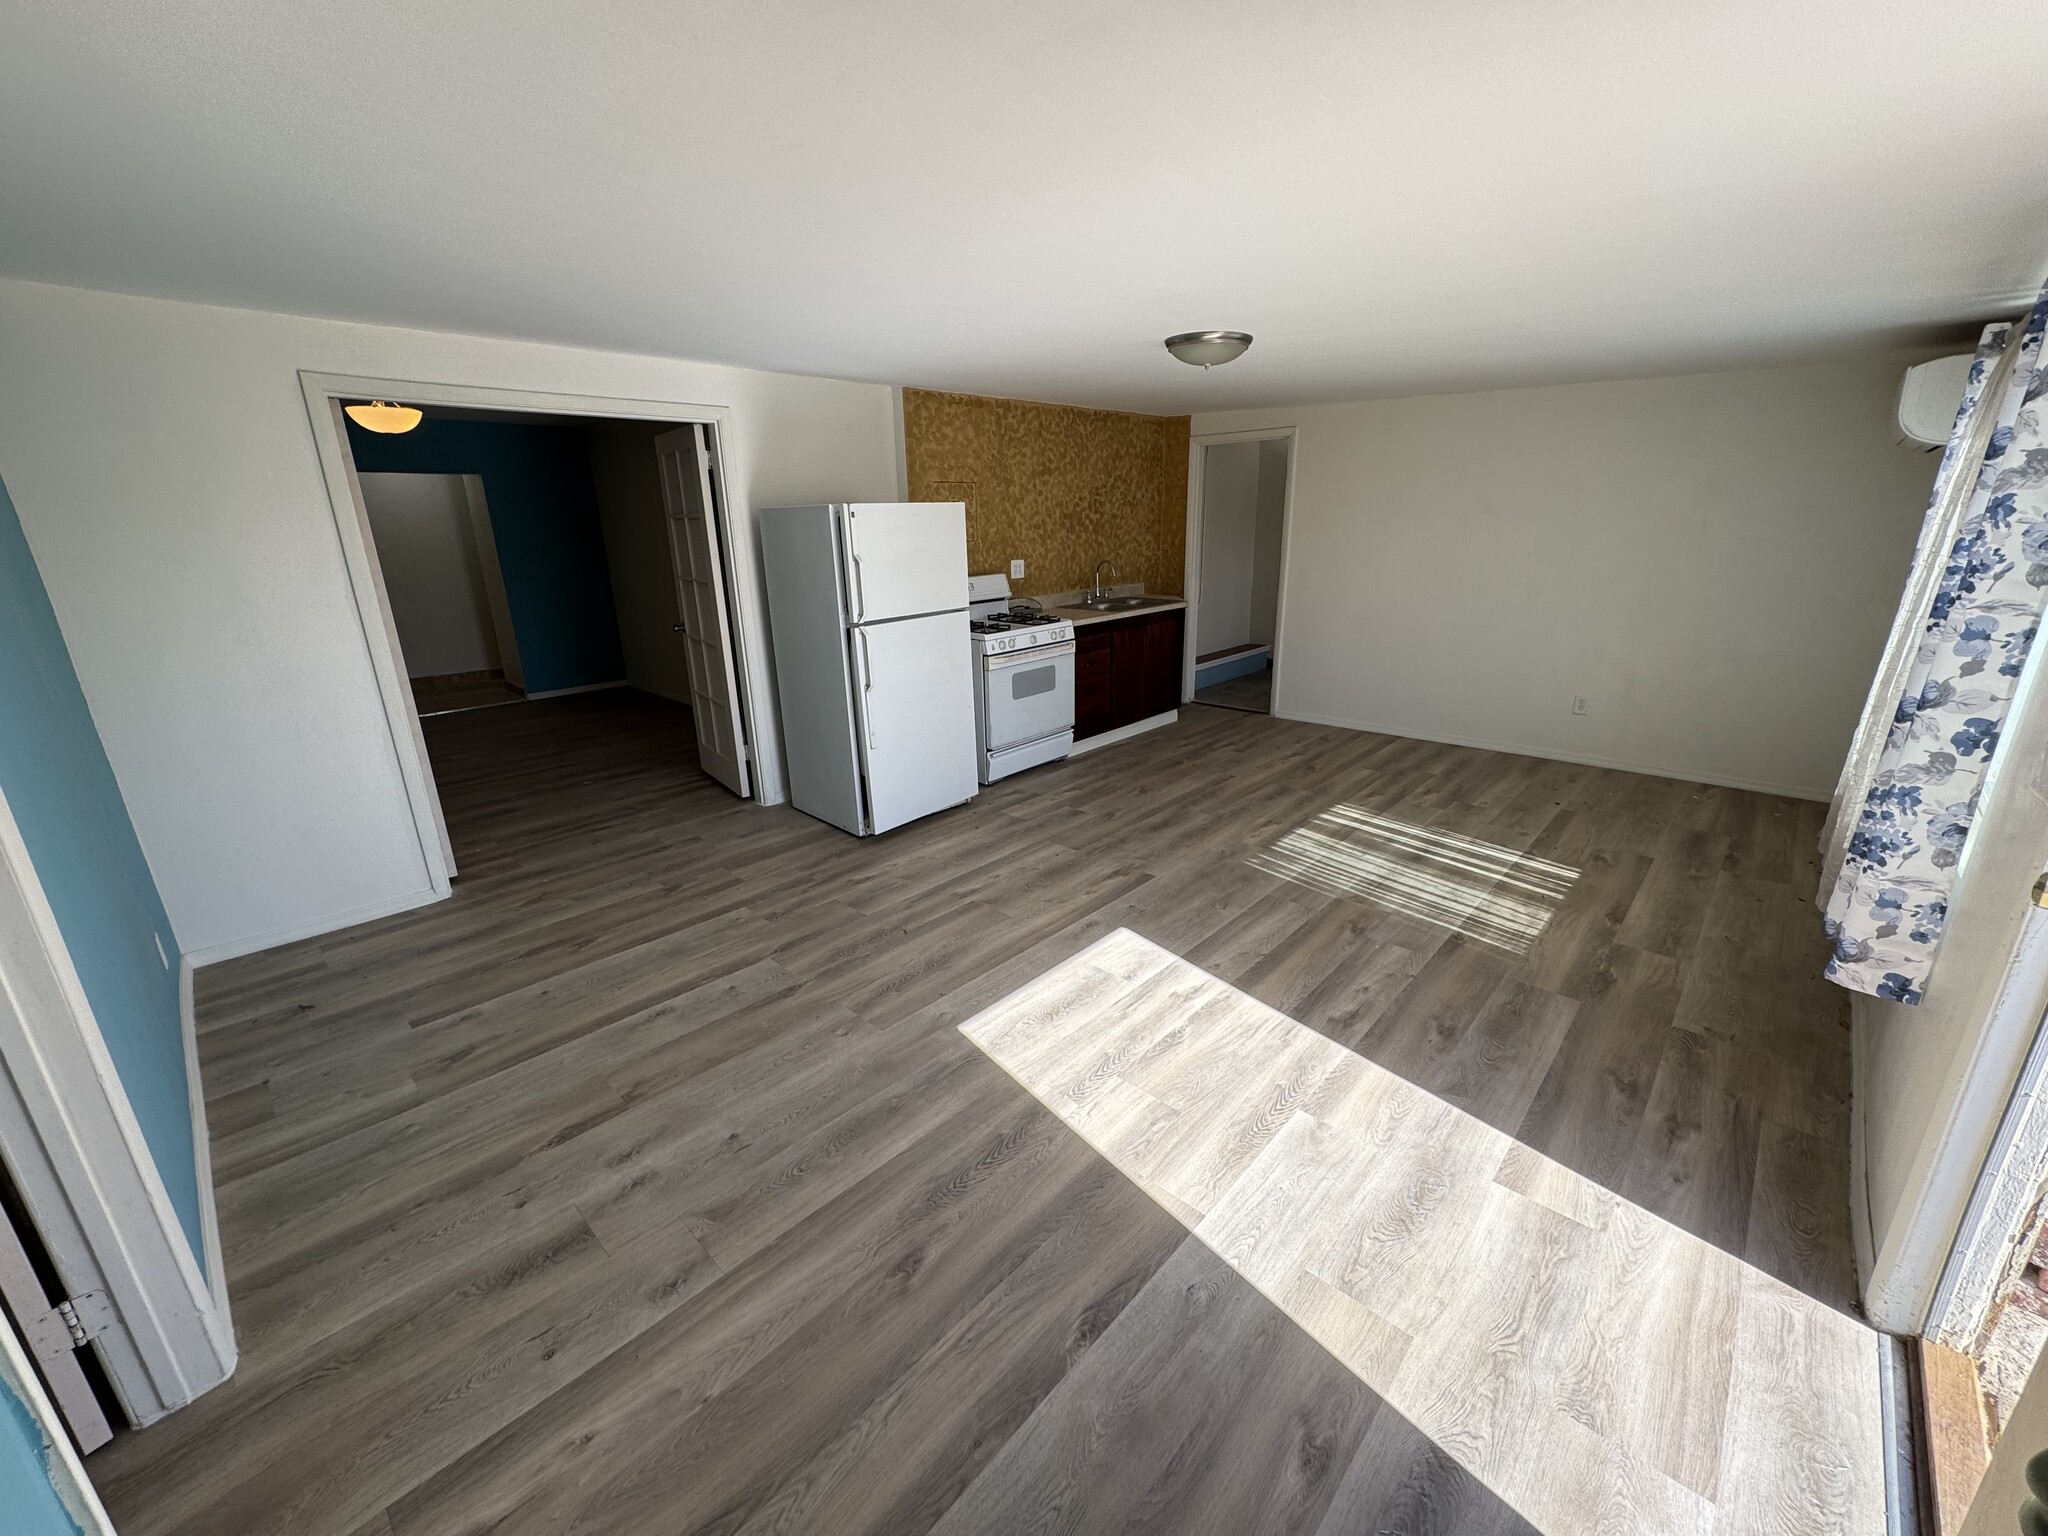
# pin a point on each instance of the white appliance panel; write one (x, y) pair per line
(905, 558)
(914, 695)
(1030, 694)
(1032, 754)
(800, 557)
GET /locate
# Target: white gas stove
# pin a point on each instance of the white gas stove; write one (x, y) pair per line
(1024, 683)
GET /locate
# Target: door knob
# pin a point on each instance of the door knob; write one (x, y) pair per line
(677, 629)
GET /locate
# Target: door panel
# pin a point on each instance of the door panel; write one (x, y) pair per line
(905, 558)
(1128, 692)
(61, 1373)
(686, 494)
(1094, 703)
(1162, 664)
(916, 708)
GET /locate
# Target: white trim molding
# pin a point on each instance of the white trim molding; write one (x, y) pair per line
(324, 393)
(1192, 546)
(77, 1154)
(202, 1149)
(1521, 749)
(1124, 732)
(271, 938)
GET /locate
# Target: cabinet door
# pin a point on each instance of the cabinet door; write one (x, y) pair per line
(1093, 665)
(1162, 663)
(1130, 683)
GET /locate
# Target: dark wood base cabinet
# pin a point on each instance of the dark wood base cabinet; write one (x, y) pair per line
(1126, 670)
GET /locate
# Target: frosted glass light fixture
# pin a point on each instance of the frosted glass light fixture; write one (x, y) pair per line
(382, 416)
(1205, 349)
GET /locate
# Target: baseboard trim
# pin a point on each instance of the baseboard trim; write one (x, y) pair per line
(1125, 732)
(1522, 749)
(234, 949)
(202, 1163)
(1244, 663)
(562, 693)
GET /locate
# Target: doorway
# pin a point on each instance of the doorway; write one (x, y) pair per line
(510, 556)
(1237, 554)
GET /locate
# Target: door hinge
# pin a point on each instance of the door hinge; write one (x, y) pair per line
(69, 1325)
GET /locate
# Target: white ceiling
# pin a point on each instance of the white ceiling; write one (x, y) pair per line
(1022, 198)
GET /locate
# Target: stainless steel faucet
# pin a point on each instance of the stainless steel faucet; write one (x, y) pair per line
(1100, 590)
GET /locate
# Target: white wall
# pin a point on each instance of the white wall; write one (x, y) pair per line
(628, 483)
(1266, 539)
(1713, 560)
(1230, 515)
(163, 467)
(432, 572)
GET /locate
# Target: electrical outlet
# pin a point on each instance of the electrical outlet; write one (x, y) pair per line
(1016, 570)
(1578, 703)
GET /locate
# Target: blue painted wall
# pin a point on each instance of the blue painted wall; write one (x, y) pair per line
(544, 519)
(28, 1498)
(61, 789)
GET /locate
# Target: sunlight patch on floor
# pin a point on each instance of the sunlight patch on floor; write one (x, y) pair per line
(1595, 1366)
(1480, 889)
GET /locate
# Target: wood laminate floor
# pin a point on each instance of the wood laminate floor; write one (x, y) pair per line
(1252, 692)
(651, 1183)
(463, 690)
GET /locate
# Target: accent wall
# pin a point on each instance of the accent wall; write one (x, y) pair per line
(544, 518)
(75, 824)
(1055, 486)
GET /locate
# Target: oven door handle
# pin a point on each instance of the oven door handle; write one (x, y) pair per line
(1037, 653)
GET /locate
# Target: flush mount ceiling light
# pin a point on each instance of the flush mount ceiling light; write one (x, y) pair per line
(383, 416)
(1205, 349)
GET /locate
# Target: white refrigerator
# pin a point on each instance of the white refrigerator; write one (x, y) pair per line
(867, 607)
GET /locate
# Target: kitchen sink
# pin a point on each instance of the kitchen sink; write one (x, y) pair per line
(1119, 604)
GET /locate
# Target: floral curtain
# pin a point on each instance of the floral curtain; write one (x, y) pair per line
(1890, 900)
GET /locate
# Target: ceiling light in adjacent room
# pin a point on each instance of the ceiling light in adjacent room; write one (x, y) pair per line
(383, 416)
(1205, 349)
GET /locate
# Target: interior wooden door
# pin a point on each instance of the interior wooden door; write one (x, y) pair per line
(49, 1335)
(693, 542)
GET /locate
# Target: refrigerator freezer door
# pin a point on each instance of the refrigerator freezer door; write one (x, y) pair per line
(914, 693)
(905, 558)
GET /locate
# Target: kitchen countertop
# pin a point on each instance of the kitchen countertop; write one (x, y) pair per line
(1055, 603)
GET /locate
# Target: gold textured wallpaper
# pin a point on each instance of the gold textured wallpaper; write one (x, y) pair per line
(1055, 486)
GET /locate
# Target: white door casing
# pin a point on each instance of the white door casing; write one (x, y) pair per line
(688, 500)
(79, 1161)
(1192, 568)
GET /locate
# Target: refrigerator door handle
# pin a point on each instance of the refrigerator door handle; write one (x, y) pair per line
(860, 586)
(867, 687)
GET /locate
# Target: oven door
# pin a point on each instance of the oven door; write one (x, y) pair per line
(1030, 694)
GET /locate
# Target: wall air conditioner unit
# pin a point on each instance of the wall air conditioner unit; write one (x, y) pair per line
(1928, 400)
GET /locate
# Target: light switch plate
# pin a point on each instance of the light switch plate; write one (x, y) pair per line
(1016, 570)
